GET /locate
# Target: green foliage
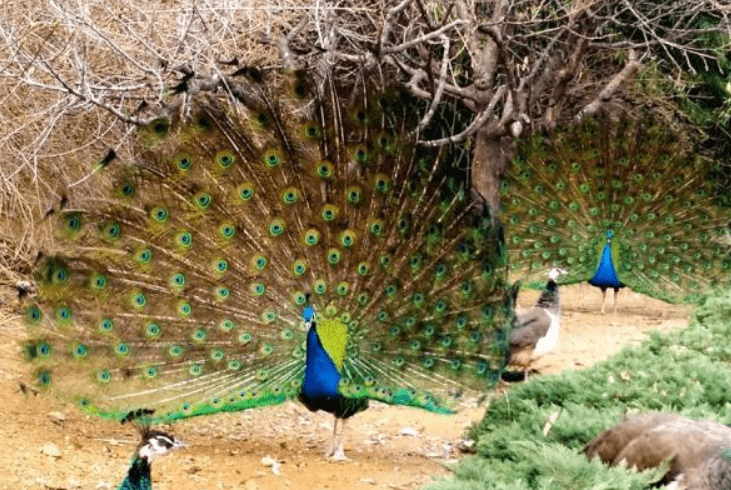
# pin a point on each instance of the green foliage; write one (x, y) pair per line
(549, 467)
(685, 372)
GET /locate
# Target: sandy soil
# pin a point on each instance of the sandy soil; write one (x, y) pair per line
(49, 446)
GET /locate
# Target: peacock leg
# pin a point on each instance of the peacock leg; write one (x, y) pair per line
(604, 297)
(332, 445)
(616, 292)
(339, 453)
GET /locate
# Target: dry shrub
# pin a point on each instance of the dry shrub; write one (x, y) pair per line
(67, 64)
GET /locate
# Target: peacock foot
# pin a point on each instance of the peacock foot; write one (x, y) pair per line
(339, 456)
(336, 453)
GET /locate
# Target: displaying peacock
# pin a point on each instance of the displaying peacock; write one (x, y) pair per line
(270, 241)
(617, 204)
(154, 444)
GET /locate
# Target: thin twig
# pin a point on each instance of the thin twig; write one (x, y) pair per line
(441, 82)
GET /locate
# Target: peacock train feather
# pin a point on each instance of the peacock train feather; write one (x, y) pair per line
(281, 242)
(617, 204)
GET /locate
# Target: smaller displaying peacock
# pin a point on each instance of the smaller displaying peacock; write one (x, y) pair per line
(617, 204)
(606, 274)
(537, 329)
(278, 239)
(154, 444)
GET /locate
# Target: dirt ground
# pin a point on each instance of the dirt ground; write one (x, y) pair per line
(45, 445)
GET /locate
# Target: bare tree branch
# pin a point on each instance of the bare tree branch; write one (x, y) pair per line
(632, 67)
(440, 87)
(74, 68)
(477, 123)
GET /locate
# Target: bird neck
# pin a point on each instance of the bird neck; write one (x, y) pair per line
(138, 475)
(549, 298)
(606, 271)
(326, 343)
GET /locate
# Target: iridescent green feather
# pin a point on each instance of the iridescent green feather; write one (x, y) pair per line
(181, 287)
(636, 179)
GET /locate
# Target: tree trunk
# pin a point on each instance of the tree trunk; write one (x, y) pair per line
(489, 163)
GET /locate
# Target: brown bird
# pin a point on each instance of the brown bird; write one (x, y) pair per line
(698, 449)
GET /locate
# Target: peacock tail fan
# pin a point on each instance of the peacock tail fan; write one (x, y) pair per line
(182, 288)
(634, 182)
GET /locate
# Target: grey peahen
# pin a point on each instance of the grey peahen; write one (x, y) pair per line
(272, 241)
(154, 444)
(699, 450)
(617, 204)
(537, 329)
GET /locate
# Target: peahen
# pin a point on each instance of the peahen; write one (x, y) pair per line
(617, 204)
(271, 241)
(699, 451)
(154, 444)
(537, 329)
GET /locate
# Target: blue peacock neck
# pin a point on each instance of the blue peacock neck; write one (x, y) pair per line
(327, 339)
(325, 354)
(321, 374)
(138, 476)
(606, 272)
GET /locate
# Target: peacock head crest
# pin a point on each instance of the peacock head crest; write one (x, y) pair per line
(610, 234)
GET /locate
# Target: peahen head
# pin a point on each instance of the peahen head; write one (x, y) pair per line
(156, 443)
(555, 272)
